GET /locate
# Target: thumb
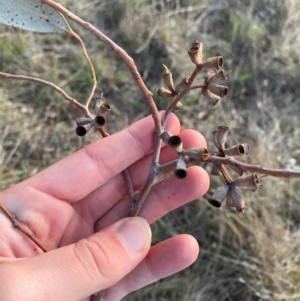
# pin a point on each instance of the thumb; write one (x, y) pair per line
(79, 270)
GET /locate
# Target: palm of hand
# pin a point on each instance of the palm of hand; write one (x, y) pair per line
(85, 192)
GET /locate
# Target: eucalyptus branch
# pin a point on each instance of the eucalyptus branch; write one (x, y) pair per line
(22, 227)
(83, 108)
(74, 34)
(222, 160)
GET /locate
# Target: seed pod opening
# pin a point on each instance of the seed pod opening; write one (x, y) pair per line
(81, 131)
(180, 171)
(174, 141)
(99, 121)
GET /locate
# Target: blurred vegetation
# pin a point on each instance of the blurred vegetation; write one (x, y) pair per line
(250, 257)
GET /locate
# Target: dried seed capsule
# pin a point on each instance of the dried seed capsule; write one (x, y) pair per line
(250, 182)
(216, 77)
(219, 196)
(218, 90)
(196, 153)
(215, 62)
(212, 98)
(195, 53)
(83, 121)
(82, 130)
(99, 121)
(237, 150)
(180, 171)
(233, 199)
(103, 109)
(164, 93)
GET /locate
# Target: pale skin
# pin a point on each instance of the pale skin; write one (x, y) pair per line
(76, 209)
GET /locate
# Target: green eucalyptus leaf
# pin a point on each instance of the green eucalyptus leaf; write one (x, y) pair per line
(31, 15)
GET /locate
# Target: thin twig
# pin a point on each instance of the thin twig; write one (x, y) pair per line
(22, 228)
(76, 36)
(87, 103)
(198, 86)
(274, 172)
(66, 96)
(49, 84)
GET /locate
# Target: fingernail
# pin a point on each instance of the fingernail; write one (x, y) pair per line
(135, 234)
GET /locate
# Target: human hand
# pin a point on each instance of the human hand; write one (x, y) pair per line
(76, 208)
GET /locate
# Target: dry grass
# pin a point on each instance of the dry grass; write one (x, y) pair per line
(249, 257)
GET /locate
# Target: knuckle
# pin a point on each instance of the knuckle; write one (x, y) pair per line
(94, 258)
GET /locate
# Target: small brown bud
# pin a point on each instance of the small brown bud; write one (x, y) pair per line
(168, 79)
(218, 90)
(215, 62)
(164, 93)
(180, 171)
(195, 53)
